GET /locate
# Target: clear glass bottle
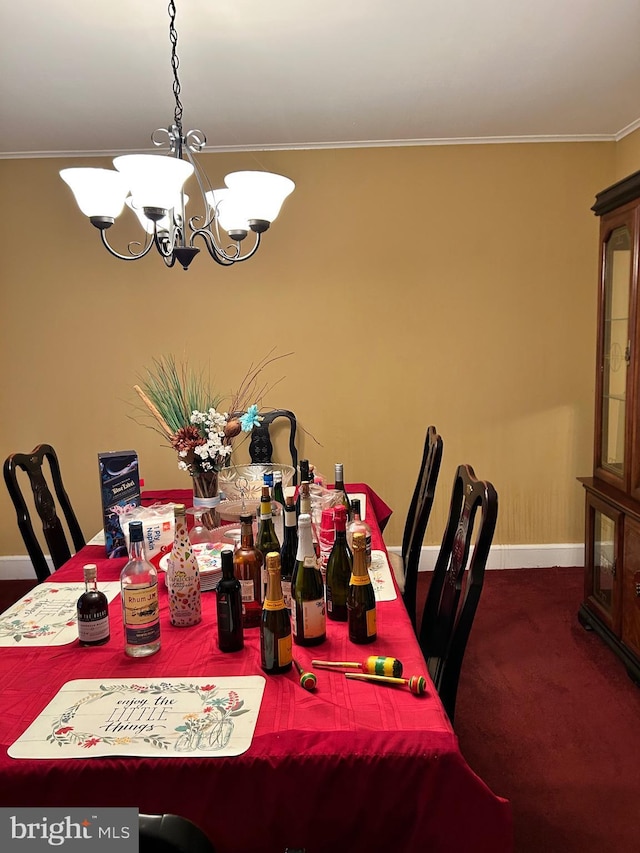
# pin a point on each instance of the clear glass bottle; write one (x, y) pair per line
(229, 607)
(275, 625)
(92, 610)
(338, 486)
(183, 575)
(361, 601)
(308, 614)
(266, 539)
(356, 524)
(289, 550)
(139, 593)
(247, 563)
(339, 568)
(326, 538)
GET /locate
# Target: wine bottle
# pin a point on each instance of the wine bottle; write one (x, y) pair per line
(92, 610)
(267, 539)
(361, 602)
(277, 505)
(338, 486)
(229, 607)
(275, 625)
(183, 575)
(306, 509)
(289, 549)
(326, 538)
(308, 616)
(139, 592)
(304, 478)
(339, 568)
(247, 563)
(355, 524)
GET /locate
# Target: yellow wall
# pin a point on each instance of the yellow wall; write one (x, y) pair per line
(448, 285)
(627, 155)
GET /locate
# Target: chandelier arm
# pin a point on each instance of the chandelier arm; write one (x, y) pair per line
(218, 253)
(132, 256)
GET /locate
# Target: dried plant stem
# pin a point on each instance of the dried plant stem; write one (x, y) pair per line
(166, 429)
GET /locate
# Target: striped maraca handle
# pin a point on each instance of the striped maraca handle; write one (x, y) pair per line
(417, 683)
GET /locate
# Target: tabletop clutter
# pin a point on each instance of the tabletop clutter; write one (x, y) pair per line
(281, 559)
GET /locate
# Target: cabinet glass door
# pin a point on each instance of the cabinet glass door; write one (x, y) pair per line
(604, 542)
(615, 350)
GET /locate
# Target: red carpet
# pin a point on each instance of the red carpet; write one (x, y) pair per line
(548, 717)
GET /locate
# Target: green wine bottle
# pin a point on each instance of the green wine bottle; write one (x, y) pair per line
(267, 539)
(308, 615)
(339, 567)
(361, 602)
(275, 625)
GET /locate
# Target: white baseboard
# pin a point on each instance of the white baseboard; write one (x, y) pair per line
(514, 556)
(500, 557)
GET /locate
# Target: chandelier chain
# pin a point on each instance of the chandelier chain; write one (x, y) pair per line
(175, 62)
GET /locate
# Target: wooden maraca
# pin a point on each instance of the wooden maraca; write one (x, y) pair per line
(417, 683)
(373, 665)
(308, 680)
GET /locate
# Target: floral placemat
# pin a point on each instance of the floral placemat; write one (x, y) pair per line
(46, 615)
(171, 717)
(380, 573)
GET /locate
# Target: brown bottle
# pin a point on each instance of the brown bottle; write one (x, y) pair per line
(247, 564)
(93, 611)
(361, 602)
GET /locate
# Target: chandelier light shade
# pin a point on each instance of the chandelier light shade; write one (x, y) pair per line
(152, 185)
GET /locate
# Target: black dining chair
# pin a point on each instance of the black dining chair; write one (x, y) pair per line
(405, 565)
(170, 833)
(33, 464)
(260, 445)
(454, 592)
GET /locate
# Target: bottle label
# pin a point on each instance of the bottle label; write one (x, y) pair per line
(360, 580)
(372, 624)
(314, 619)
(285, 653)
(310, 561)
(96, 628)
(246, 587)
(273, 605)
(286, 594)
(141, 614)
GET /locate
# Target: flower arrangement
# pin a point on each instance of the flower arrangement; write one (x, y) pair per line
(190, 416)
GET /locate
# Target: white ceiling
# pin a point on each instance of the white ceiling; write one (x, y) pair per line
(95, 77)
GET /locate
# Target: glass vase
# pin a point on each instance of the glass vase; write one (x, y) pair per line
(206, 496)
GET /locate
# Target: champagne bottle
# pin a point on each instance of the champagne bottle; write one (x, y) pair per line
(304, 478)
(183, 576)
(339, 568)
(338, 486)
(289, 549)
(361, 602)
(306, 509)
(267, 539)
(229, 607)
(308, 616)
(277, 506)
(358, 524)
(247, 562)
(139, 592)
(92, 610)
(275, 625)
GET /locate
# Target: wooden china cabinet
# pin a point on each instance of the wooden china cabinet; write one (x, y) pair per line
(611, 604)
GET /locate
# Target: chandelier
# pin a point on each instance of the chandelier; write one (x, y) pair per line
(152, 185)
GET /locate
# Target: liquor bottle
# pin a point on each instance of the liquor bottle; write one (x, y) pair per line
(355, 524)
(247, 563)
(92, 610)
(361, 602)
(326, 538)
(304, 478)
(266, 539)
(339, 569)
(277, 505)
(275, 624)
(139, 591)
(338, 486)
(289, 549)
(183, 576)
(229, 607)
(308, 616)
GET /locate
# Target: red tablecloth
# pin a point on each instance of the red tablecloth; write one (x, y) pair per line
(353, 765)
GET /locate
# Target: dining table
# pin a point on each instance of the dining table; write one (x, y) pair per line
(348, 766)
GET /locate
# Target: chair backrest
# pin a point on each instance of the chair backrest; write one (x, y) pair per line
(170, 833)
(449, 610)
(45, 505)
(418, 517)
(260, 446)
